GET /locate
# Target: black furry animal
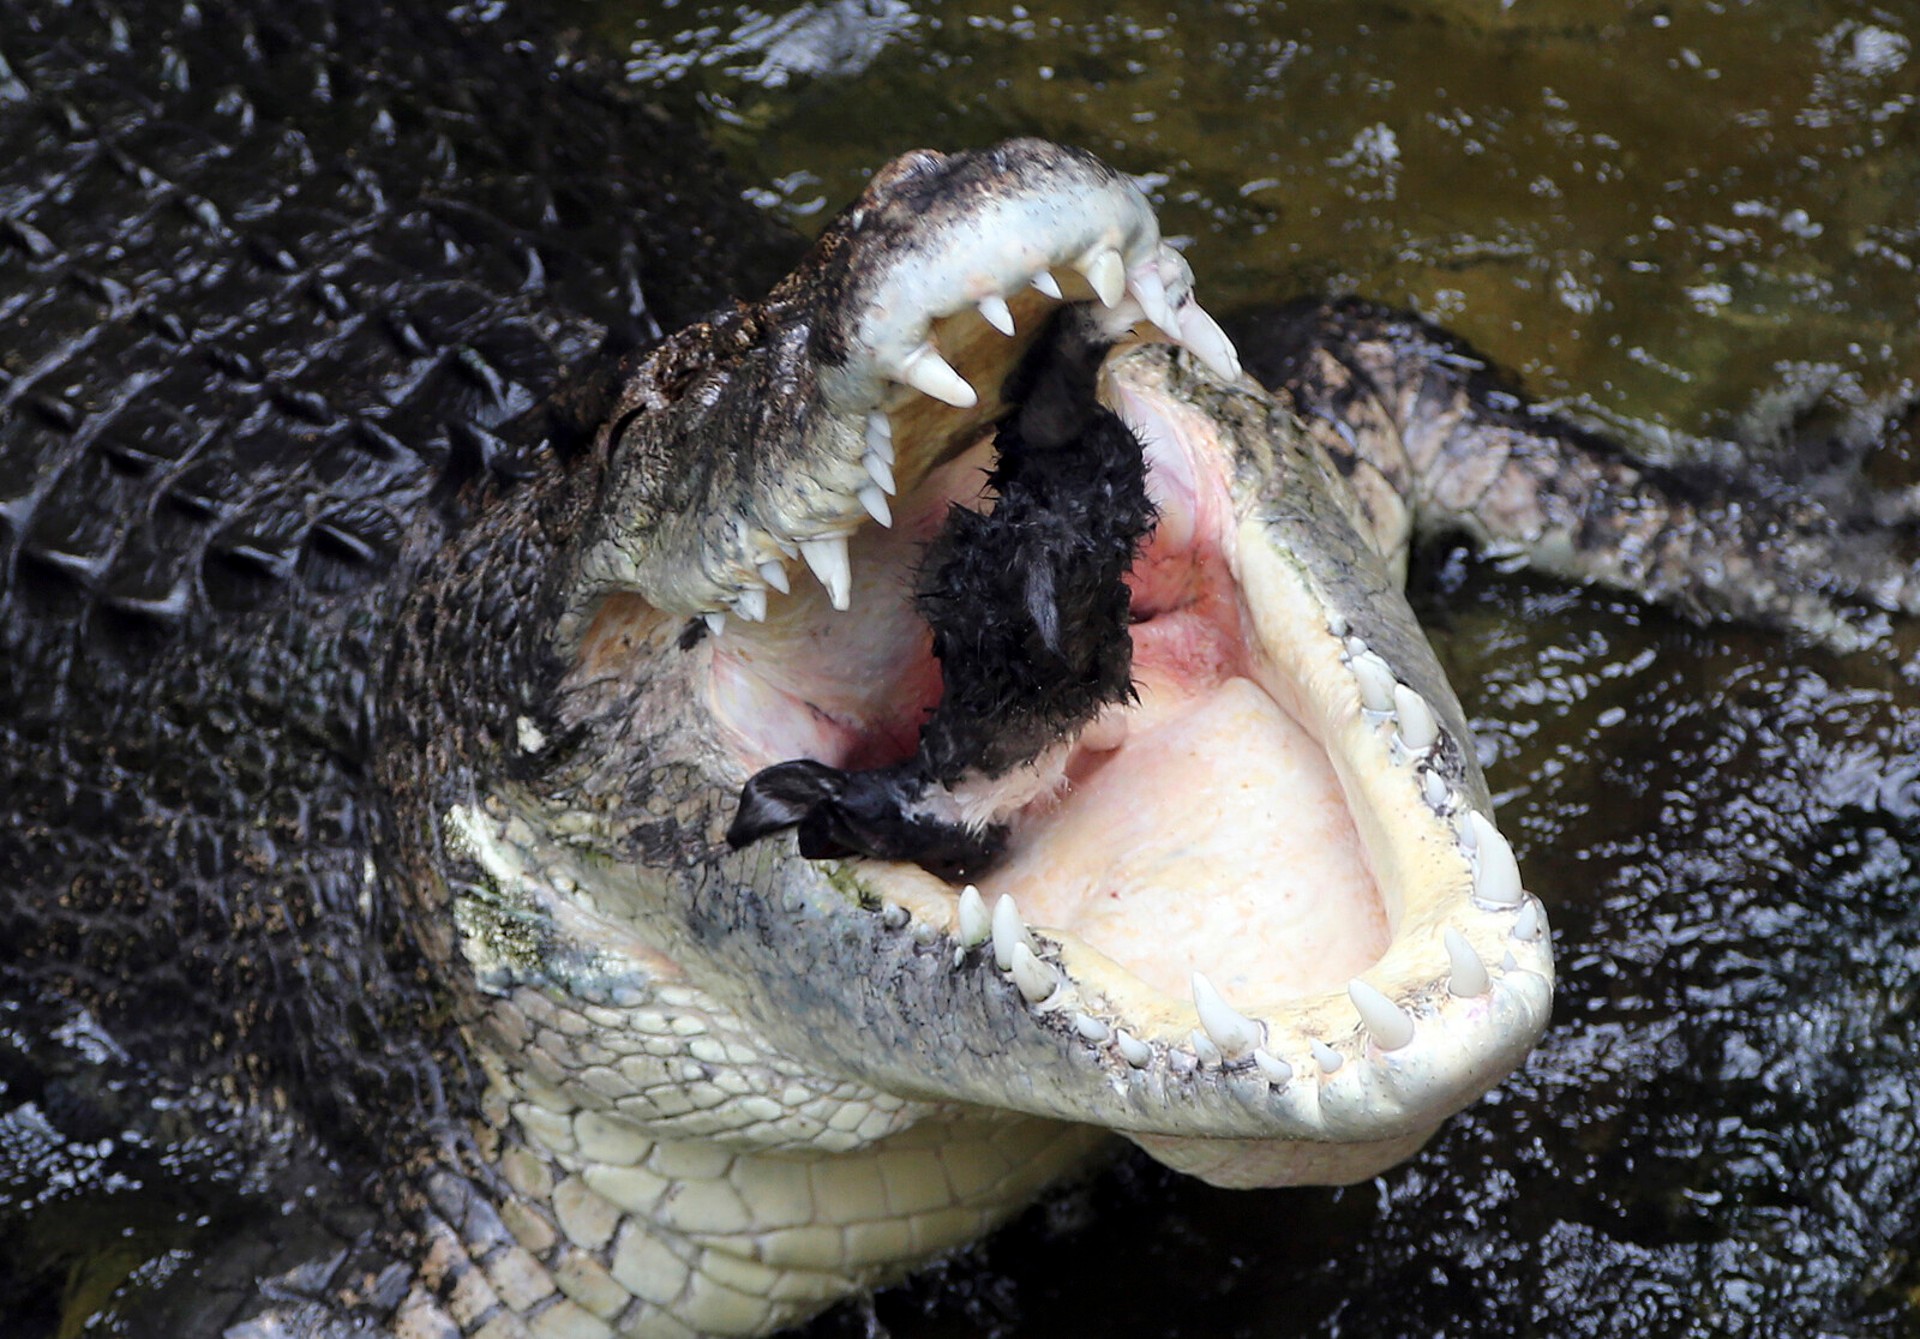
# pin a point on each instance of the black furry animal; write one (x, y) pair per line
(1030, 616)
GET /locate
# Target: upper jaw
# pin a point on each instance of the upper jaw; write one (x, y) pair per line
(761, 440)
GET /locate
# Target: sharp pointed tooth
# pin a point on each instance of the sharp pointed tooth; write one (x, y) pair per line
(894, 916)
(1036, 979)
(775, 575)
(1277, 1071)
(1091, 1028)
(1507, 963)
(1106, 272)
(1376, 681)
(880, 436)
(1231, 1030)
(1202, 334)
(751, 605)
(1329, 1059)
(874, 499)
(930, 374)
(1435, 789)
(1008, 931)
(1391, 1026)
(1047, 284)
(1418, 729)
(828, 559)
(1132, 1050)
(1469, 835)
(1151, 293)
(1469, 973)
(993, 310)
(716, 622)
(974, 924)
(1528, 924)
(787, 546)
(1204, 1049)
(880, 470)
(1496, 874)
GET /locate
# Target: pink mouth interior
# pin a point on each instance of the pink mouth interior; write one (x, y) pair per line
(1202, 828)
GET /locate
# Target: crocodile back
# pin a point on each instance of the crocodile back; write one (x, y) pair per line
(273, 286)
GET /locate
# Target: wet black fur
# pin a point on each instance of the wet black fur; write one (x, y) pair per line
(1029, 610)
(1030, 616)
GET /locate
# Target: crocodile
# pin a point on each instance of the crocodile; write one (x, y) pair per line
(496, 782)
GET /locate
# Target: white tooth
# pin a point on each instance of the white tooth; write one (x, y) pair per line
(1132, 1050)
(787, 546)
(1527, 925)
(1091, 1028)
(1106, 272)
(751, 605)
(1496, 874)
(829, 560)
(974, 924)
(1376, 681)
(1435, 789)
(1418, 729)
(1047, 284)
(1507, 963)
(1469, 973)
(1356, 646)
(926, 933)
(1391, 1026)
(880, 470)
(1037, 980)
(1008, 932)
(1148, 290)
(1233, 1031)
(1277, 1070)
(1330, 1059)
(1181, 1063)
(1202, 334)
(1337, 625)
(716, 623)
(927, 372)
(993, 310)
(880, 436)
(1204, 1050)
(874, 499)
(1463, 825)
(894, 916)
(775, 575)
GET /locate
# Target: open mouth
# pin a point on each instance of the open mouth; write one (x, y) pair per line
(1261, 889)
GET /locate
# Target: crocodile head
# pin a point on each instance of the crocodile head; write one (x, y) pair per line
(1254, 917)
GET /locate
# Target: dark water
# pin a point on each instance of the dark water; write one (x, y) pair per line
(1698, 223)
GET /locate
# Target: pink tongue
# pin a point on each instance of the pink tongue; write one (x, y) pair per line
(1217, 839)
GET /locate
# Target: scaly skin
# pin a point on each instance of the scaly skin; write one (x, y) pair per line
(369, 756)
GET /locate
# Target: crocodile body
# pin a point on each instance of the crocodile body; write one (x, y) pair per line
(394, 615)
